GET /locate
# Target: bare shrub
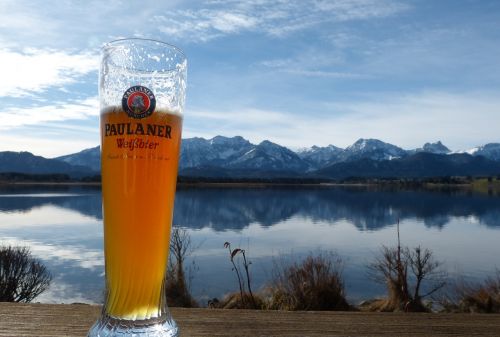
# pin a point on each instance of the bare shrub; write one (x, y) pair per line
(177, 287)
(316, 283)
(22, 277)
(483, 297)
(406, 273)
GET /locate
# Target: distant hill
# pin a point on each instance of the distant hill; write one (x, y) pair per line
(88, 157)
(419, 165)
(26, 162)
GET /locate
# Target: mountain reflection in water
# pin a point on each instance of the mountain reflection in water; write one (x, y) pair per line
(63, 227)
(367, 209)
(224, 209)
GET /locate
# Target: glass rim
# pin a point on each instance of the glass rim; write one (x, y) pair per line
(112, 43)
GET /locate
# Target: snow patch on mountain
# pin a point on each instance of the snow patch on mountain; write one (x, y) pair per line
(319, 157)
(373, 149)
(269, 156)
(490, 151)
(197, 152)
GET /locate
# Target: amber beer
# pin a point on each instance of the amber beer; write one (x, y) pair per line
(139, 172)
(142, 89)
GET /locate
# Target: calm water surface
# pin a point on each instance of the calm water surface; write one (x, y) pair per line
(63, 227)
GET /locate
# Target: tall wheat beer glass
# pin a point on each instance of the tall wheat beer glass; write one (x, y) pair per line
(142, 91)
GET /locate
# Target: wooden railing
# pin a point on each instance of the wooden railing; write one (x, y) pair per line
(58, 320)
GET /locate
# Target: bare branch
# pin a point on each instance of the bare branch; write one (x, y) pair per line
(391, 267)
(22, 278)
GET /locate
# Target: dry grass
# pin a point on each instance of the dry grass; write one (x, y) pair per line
(234, 301)
(482, 297)
(315, 283)
(178, 294)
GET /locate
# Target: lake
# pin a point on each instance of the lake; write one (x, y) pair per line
(63, 227)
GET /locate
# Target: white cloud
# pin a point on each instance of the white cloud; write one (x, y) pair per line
(310, 58)
(360, 9)
(461, 121)
(59, 111)
(75, 24)
(35, 70)
(313, 63)
(52, 123)
(232, 22)
(276, 18)
(329, 46)
(323, 73)
(205, 25)
(48, 146)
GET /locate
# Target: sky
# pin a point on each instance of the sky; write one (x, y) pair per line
(297, 73)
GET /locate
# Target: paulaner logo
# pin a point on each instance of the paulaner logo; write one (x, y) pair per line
(138, 102)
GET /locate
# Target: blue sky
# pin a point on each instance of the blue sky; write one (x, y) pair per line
(298, 73)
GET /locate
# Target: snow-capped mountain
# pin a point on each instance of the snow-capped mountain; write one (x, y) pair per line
(437, 148)
(372, 149)
(269, 156)
(490, 151)
(236, 156)
(218, 151)
(317, 156)
(238, 153)
(320, 157)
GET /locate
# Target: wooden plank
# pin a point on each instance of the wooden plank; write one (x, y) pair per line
(60, 320)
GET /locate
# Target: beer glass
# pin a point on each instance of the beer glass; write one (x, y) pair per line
(142, 87)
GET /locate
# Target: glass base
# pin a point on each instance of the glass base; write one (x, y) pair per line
(108, 326)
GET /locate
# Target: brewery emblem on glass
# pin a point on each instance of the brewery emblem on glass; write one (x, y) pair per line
(138, 102)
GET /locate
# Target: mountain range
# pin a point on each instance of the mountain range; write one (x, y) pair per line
(236, 157)
(28, 163)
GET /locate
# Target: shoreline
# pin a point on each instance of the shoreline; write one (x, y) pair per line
(250, 183)
(235, 184)
(479, 185)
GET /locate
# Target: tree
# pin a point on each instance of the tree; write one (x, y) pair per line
(177, 287)
(406, 272)
(424, 268)
(180, 248)
(22, 277)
